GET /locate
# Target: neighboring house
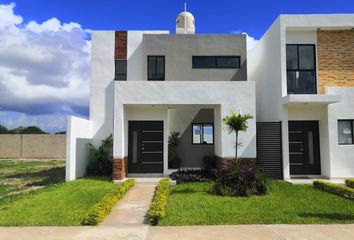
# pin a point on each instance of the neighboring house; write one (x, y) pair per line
(145, 84)
(304, 72)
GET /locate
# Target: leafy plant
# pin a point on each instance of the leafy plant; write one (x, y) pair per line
(236, 123)
(173, 142)
(101, 158)
(242, 179)
(158, 206)
(190, 175)
(100, 210)
(340, 190)
(350, 182)
(209, 162)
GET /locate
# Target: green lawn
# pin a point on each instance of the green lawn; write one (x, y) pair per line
(63, 204)
(22, 176)
(191, 204)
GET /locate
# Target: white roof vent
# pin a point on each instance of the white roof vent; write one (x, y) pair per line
(185, 23)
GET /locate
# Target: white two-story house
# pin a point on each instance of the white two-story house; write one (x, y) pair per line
(297, 83)
(147, 84)
(304, 72)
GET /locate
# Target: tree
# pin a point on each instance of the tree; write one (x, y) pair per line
(3, 130)
(236, 123)
(32, 130)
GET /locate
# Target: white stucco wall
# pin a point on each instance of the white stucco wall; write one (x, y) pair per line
(77, 155)
(135, 55)
(102, 87)
(230, 96)
(342, 156)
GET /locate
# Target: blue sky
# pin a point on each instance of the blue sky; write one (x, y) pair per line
(45, 45)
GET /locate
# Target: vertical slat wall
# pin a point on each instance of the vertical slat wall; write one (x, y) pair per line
(269, 148)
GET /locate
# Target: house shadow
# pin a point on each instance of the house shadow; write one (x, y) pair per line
(182, 191)
(47, 176)
(328, 216)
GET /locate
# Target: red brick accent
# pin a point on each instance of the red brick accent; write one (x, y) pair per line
(226, 163)
(335, 50)
(120, 51)
(119, 168)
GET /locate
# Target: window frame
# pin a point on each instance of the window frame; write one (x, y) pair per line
(120, 77)
(298, 69)
(164, 67)
(352, 128)
(202, 133)
(216, 62)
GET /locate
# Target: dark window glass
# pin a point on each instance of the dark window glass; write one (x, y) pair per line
(202, 133)
(291, 57)
(301, 69)
(204, 62)
(121, 70)
(156, 68)
(216, 62)
(345, 131)
(306, 57)
(228, 62)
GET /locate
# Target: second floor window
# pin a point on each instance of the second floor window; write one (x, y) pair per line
(120, 70)
(216, 62)
(156, 68)
(301, 68)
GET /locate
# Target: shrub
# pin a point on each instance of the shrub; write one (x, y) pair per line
(101, 209)
(101, 160)
(189, 175)
(209, 162)
(158, 206)
(350, 182)
(340, 190)
(242, 179)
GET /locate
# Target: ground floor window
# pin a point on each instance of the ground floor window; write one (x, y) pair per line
(203, 133)
(345, 131)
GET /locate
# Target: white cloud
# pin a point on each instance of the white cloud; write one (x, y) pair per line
(251, 42)
(44, 67)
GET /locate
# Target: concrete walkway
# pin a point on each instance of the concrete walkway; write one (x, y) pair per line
(133, 208)
(237, 232)
(128, 221)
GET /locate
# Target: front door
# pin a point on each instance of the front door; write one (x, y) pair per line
(145, 147)
(304, 148)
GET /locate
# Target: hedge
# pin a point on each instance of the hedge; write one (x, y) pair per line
(158, 206)
(350, 182)
(101, 209)
(335, 188)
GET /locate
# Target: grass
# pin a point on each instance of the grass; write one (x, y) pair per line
(65, 204)
(22, 176)
(191, 204)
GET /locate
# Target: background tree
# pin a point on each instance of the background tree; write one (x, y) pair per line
(3, 130)
(236, 123)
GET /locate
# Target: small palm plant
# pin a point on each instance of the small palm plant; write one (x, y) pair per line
(236, 123)
(101, 158)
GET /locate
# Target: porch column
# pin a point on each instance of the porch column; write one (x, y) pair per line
(119, 158)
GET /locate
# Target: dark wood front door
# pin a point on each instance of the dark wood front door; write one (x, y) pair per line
(304, 148)
(145, 147)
